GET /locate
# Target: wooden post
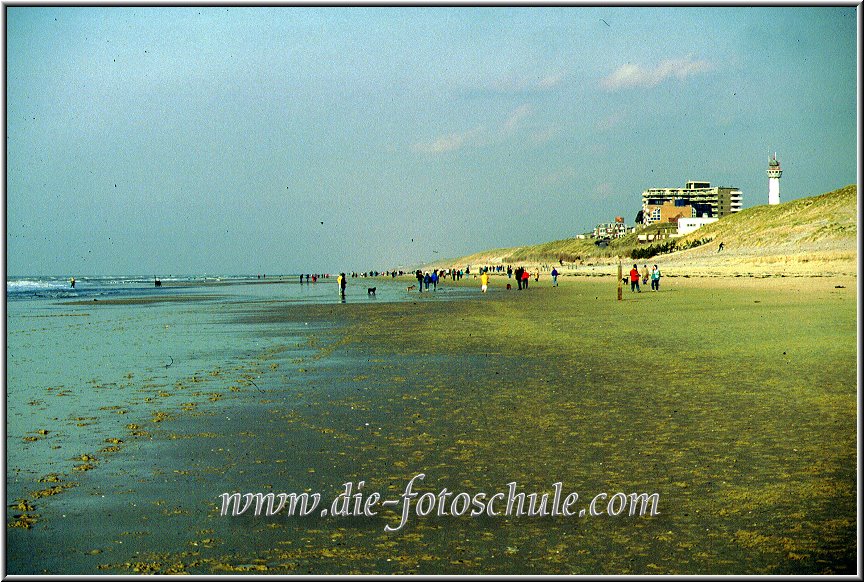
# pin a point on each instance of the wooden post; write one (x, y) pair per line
(620, 279)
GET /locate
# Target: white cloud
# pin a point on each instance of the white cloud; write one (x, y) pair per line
(550, 81)
(516, 117)
(610, 121)
(478, 136)
(630, 75)
(542, 136)
(449, 143)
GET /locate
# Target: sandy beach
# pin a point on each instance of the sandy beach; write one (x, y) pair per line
(732, 398)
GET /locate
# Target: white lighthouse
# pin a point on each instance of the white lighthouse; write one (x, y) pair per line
(774, 173)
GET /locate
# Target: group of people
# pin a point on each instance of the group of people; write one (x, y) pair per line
(436, 275)
(522, 276)
(645, 275)
(313, 277)
(424, 279)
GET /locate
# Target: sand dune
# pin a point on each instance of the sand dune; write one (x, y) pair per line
(814, 236)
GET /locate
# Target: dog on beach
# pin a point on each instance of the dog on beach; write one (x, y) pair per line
(411, 287)
(508, 286)
(371, 291)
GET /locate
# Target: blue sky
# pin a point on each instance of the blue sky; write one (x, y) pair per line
(217, 140)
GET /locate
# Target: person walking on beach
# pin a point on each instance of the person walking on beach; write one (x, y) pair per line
(634, 279)
(343, 281)
(518, 274)
(509, 272)
(484, 282)
(419, 275)
(554, 277)
(537, 276)
(426, 278)
(720, 248)
(655, 279)
(645, 274)
(525, 278)
(72, 282)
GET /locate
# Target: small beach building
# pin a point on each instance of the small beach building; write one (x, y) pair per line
(668, 211)
(688, 225)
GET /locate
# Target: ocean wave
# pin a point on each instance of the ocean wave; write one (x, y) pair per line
(35, 284)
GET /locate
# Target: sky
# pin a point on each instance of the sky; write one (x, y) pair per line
(247, 140)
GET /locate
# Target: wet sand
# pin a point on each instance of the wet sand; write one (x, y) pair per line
(216, 282)
(734, 399)
(145, 300)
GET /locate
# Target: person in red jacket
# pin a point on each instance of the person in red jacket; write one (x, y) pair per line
(634, 279)
(525, 276)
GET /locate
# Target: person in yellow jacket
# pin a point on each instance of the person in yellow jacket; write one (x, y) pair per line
(484, 281)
